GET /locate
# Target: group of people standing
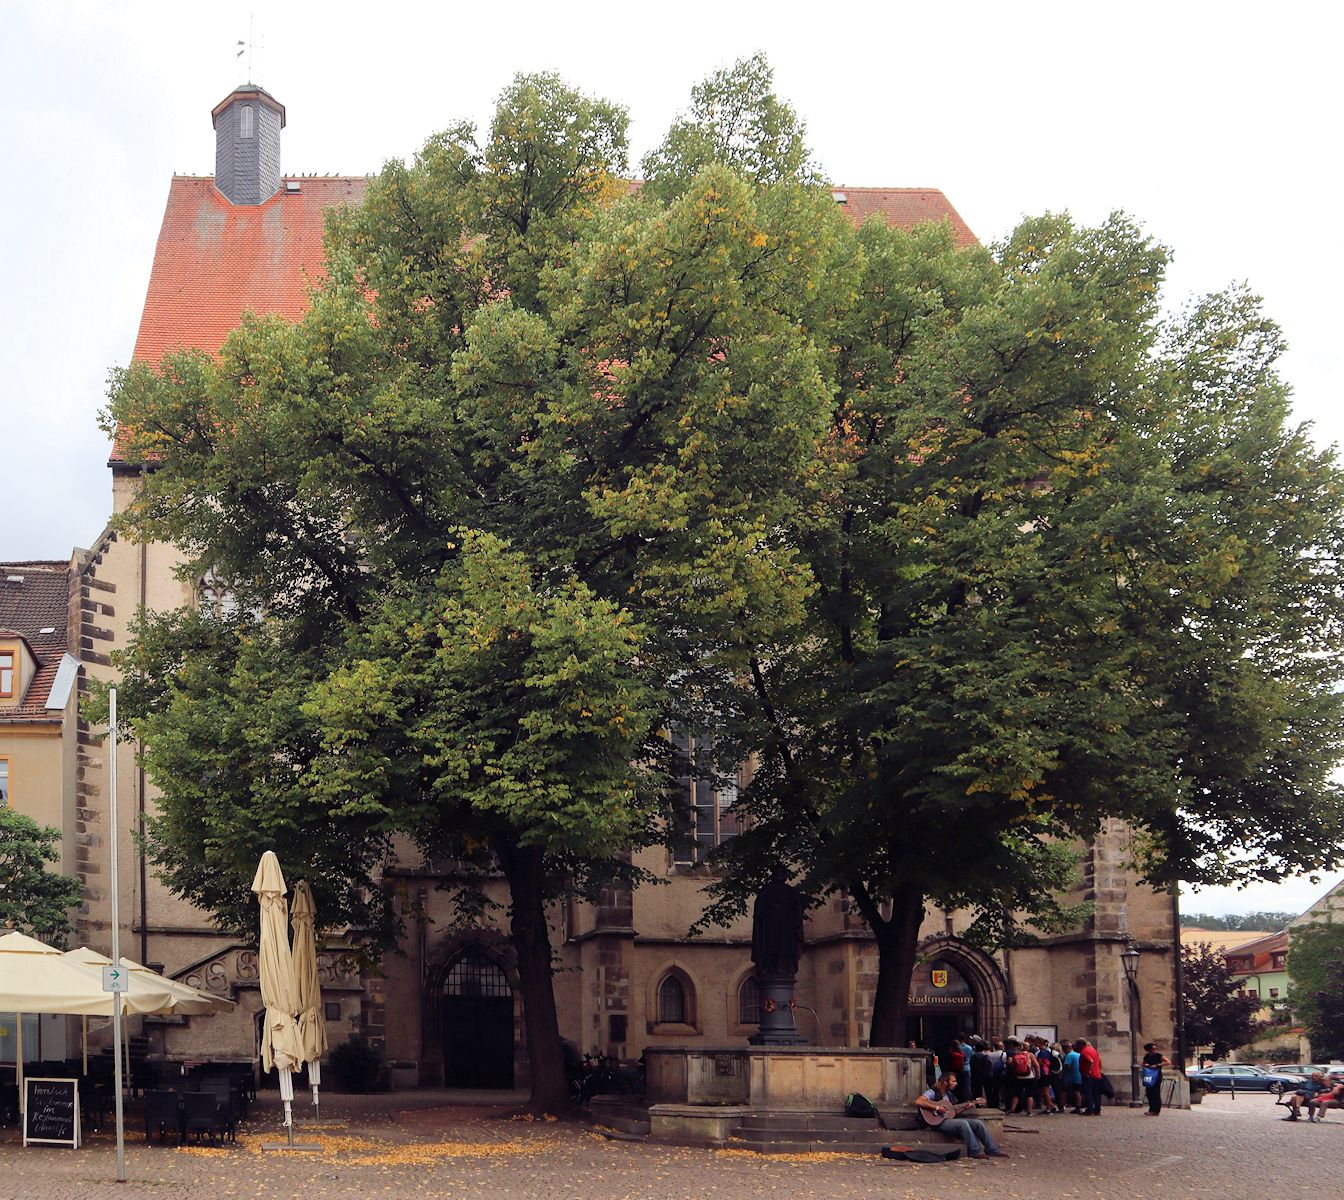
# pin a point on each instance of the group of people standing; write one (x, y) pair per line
(1030, 1075)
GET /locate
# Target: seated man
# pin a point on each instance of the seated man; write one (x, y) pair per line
(938, 1112)
(1333, 1097)
(1306, 1094)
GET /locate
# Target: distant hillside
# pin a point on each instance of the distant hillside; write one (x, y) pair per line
(1253, 922)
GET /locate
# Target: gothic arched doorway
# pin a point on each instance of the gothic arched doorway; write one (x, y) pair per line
(476, 1015)
(955, 989)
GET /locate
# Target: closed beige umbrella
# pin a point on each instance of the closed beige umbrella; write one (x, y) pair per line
(281, 1045)
(312, 1025)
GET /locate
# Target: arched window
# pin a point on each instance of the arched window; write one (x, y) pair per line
(245, 119)
(749, 1002)
(672, 1002)
(216, 595)
(475, 974)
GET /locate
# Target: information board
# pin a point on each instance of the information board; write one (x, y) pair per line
(51, 1112)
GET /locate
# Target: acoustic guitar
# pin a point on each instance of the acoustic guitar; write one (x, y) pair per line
(946, 1110)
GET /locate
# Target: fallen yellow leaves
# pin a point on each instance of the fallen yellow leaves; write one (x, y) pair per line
(251, 1142)
(809, 1156)
(424, 1154)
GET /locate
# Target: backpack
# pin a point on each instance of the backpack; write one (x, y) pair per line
(1056, 1064)
(1021, 1061)
(858, 1105)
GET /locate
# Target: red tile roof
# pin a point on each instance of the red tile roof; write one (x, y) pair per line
(906, 207)
(34, 598)
(215, 260)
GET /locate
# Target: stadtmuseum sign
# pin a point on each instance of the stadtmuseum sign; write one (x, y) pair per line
(939, 985)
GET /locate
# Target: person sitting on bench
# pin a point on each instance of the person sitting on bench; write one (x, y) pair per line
(1305, 1094)
(1333, 1098)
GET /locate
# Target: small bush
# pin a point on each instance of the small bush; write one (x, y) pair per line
(358, 1067)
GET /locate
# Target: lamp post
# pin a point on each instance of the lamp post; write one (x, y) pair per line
(1129, 959)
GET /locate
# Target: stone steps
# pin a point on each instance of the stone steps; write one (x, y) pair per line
(624, 1114)
(807, 1133)
(782, 1131)
(892, 1119)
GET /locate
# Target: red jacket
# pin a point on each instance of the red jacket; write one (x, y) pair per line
(1089, 1062)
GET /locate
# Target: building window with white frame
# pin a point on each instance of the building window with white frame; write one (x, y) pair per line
(4, 783)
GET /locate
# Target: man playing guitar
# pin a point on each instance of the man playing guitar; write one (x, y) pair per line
(936, 1111)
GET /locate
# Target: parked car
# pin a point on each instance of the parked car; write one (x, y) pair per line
(1305, 1069)
(1244, 1077)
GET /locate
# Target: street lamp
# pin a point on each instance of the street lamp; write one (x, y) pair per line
(1129, 959)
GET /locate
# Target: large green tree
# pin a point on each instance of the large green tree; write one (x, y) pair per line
(505, 503)
(1315, 975)
(1075, 564)
(33, 899)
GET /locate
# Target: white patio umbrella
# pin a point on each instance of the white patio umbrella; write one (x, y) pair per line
(312, 1025)
(281, 1045)
(144, 984)
(149, 991)
(37, 978)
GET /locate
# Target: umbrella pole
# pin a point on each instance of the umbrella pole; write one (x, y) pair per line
(287, 1095)
(18, 1059)
(84, 1039)
(315, 1078)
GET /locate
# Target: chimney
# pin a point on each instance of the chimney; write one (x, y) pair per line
(248, 122)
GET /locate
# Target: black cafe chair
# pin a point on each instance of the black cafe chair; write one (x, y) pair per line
(203, 1113)
(9, 1103)
(162, 1113)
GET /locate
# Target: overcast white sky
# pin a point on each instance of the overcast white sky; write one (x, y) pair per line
(1215, 124)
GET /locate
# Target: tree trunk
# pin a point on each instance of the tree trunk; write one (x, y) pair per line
(532, 944)
(897, 943)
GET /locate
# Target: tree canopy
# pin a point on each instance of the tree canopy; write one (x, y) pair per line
(1316, 983)
(968, 550)
(1073, 565)
(1268, 922)
(33, 899)
(503, 505)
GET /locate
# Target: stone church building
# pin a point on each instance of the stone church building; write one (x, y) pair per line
(446, 1008)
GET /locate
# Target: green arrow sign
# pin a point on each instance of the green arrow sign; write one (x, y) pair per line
(116, 979)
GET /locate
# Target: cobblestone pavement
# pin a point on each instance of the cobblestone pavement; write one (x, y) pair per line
(384, 1146)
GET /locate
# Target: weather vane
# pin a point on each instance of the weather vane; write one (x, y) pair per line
(248, 46)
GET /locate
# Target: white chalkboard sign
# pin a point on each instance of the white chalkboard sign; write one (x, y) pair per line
(51, 1112)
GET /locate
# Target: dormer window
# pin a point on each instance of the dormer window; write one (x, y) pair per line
(246, 116)
(6, 674)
